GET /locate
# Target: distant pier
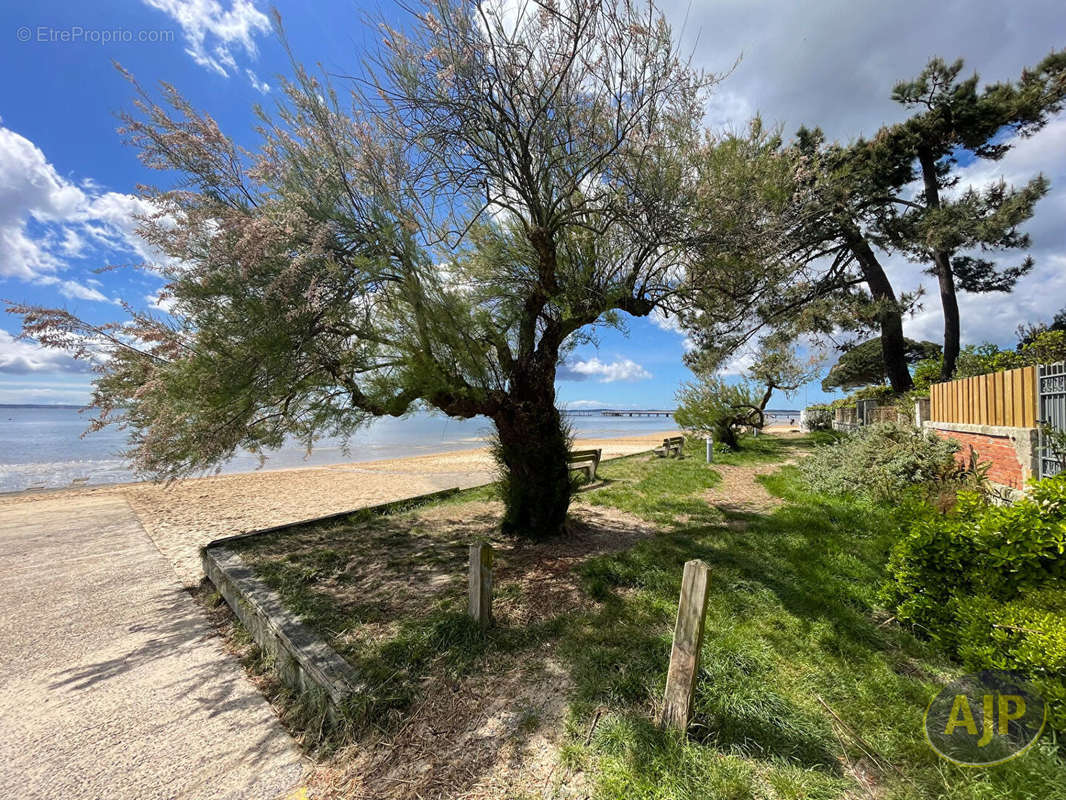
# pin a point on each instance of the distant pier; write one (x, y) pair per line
(619, 412)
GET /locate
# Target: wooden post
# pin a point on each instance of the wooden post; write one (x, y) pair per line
(481, 583)
(685, 656)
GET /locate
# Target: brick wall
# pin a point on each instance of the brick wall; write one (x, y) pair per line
(1009, 452)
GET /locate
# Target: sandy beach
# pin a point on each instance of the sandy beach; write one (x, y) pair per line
(185, 515)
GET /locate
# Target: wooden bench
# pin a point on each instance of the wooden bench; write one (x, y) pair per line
(673, 445)
(585, 461)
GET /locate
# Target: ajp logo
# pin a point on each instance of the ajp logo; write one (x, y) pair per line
(985, 718)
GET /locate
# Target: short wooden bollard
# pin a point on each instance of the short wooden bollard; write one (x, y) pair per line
(685, 656)
(481, 584)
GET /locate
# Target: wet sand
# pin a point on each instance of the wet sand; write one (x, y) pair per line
(185, 515)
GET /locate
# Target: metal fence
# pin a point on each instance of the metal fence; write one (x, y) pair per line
(1051, 388)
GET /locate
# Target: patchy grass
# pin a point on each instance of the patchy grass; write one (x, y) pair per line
(576, 663)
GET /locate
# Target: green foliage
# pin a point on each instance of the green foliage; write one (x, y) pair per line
(987, 582)
(864, 363)
(982, 359)
(1026, 635)
(819, 417)
(884, 395)
(980, 549)
(1045, 348)
(925, 373)
(886, 462)
(713, 406)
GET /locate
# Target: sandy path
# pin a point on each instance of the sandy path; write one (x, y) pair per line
(184, 516)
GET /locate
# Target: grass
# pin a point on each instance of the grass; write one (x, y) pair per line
(793, 627)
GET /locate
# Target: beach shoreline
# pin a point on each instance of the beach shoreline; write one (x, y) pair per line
(182, 516)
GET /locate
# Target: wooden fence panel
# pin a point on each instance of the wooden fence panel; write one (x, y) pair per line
(1003, 398)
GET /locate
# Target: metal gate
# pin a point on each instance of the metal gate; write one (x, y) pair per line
(1051, 387)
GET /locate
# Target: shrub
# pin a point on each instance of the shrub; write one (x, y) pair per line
(1025, 635)
(713, 406)
(882, 394)
(883, 462)
(980, 549)
(987, 581)
(818, 417)
(925, 373)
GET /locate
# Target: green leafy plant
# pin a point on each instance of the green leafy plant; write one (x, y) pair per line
(1026, 635)
(819, 417)
(712, 406)
(987, 581)
(886, 461)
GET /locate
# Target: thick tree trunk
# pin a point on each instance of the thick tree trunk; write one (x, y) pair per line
(952, 323)
(945, 277)
(889, 316)
(532, 450)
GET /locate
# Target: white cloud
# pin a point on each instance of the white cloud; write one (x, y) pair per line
(621, 370)
(833, 64)
(22, 358)
(739, 364)
(46, 219)
(75, 290)
(213, 34)
(671, 323)
(259, 85)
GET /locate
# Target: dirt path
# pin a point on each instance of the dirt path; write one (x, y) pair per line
(114, 684)
(739, 490)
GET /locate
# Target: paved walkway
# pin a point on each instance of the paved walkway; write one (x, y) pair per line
(112, 683)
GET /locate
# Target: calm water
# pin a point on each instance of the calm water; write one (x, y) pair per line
(42, 447)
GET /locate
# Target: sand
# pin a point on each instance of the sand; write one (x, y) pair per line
(183, 516)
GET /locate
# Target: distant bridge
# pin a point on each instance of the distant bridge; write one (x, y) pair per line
(619, 412)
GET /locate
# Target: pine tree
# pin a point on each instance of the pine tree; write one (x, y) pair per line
(952, 117)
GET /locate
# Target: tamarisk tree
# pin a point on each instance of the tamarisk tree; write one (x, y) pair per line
(496, 181)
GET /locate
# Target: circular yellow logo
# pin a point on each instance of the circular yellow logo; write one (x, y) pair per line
(984, 719)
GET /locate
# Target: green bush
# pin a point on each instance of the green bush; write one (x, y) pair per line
(818, 417)
(1025, 635)
(882, 394)
(989, 582)
(979, 549)
(883, 462)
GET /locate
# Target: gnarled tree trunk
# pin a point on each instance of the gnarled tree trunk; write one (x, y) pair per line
(532, 448)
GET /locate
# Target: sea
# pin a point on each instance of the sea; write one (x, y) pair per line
(42, 447)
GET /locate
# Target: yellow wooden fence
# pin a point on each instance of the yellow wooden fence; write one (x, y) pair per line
(1001, 398)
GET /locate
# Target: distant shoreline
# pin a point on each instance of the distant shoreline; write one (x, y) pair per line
(41, 405)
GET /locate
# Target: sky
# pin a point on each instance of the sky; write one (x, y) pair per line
(68, 183)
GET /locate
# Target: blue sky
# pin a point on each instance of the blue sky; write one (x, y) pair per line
(68, 183)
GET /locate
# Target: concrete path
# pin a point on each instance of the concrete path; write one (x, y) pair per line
(112, 683)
